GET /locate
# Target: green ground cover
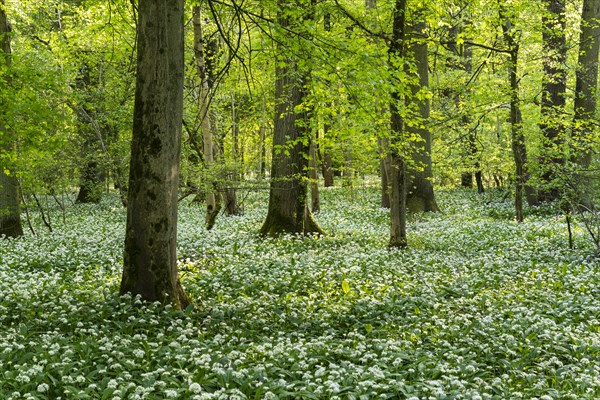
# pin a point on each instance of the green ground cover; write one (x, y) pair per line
(479, 307)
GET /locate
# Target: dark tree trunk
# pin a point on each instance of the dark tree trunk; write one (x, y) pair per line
(398, 166)
(92, 183)
(10, 217)
(420, 195)
(314, 179)
(554, 86)
(288, 210)
(231, 204)
(586, 81)
(150, 259)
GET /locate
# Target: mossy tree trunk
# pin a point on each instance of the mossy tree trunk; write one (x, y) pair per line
(420, 194)
(398, 165)
(10, 217)
(288, 210)
(150, 260)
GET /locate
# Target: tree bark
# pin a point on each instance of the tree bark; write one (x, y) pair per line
(213, 197)
(420, 195)
(384, 168)
(517, 137)
(586, 81)
(398, 237)
(314, 179)
(150, 259)
(10, 217)
(288, 210)
(231, 204)
(554, 86)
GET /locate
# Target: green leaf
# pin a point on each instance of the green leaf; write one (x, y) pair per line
(345, 286)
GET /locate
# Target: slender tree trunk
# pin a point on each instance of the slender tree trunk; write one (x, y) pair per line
(213, 197)
(262, 152)
(420, 195)
(384, 168)
(327, 165)
(586, 81)
(517, 136)
(10, 217)
(554, 86)
(150, 260)
(231, 203)
(314, 179)
(398, 166)
(327, 161)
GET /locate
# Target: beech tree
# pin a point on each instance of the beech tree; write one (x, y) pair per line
(586, 81)
(150, 261)
(10, 218)
(420, 195)
(398, 163)
(288, 210)
(554, 87)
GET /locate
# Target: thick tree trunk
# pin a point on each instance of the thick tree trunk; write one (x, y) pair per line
(92, 183)
(288, 210)
(420, 195)
(10, 217)
(150, 260)
(554, 86)
(586, 81)
(398, 237)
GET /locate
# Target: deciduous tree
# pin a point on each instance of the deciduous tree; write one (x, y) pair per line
(150, 261)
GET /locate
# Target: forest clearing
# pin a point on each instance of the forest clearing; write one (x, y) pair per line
(478, 307)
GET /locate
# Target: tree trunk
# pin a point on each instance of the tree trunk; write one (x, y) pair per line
(420, 195)
(517, 137)
(262, 167)
(213, 196)
(150, 259)
(92, 183)
(231, 203)
(288, 210)
(327, 161)
(398, 166)
(314, 179)
(10, 217)
(384, 168)
(554, 86)
(586, 81)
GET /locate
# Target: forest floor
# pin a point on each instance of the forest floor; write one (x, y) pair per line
(479, 307)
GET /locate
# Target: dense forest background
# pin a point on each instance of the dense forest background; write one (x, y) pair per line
(484, 94)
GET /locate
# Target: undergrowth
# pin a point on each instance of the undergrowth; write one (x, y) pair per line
(479, 307)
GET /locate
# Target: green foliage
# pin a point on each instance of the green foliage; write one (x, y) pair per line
(478, 307)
